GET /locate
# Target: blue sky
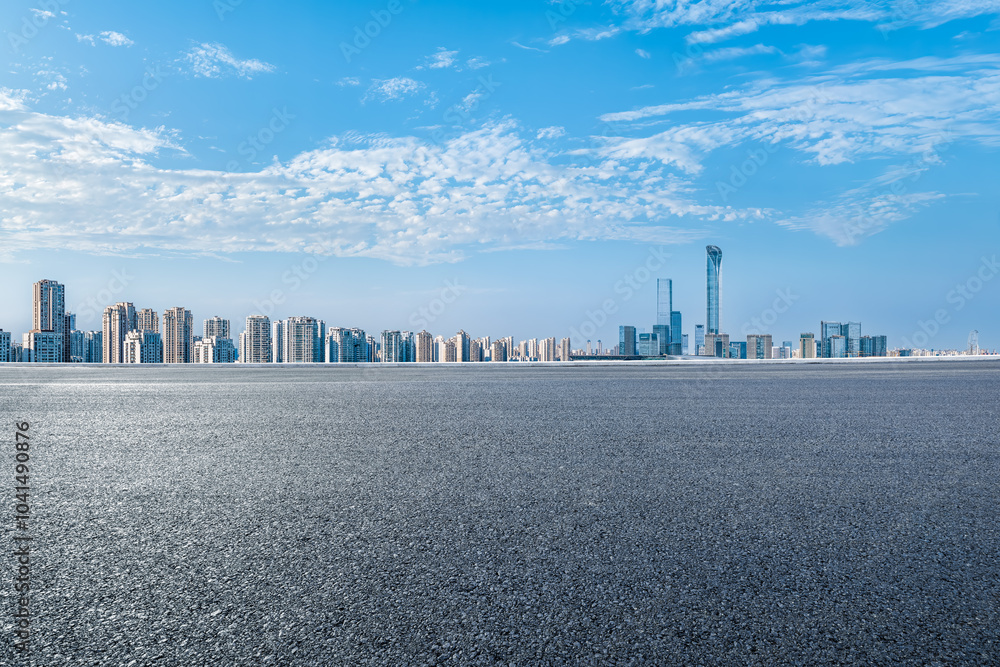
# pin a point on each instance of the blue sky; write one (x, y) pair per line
(235, 157)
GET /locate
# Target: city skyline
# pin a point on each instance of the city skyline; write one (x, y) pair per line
(131, 335)
(534, 154)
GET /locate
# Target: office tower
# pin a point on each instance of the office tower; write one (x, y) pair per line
(255, 341)
(146, 319)
(717, 345)
(300, 340)
(852, 332)
(5, 347)
(685, 347)
(662, 332)
(759, 346)
(119, 320)
(874, 346)
(392, 347)
(218, 327)
(76, 346)
(676, 346)
(807, 346)
(738, 350)
(664, 300)
(46, 347)
(49, 314)
(647, 345)
(475, 350)
(565, 351)
(93, 349)
(178, 336)
(143, 347)
(827, 331)
(835, 347)
(699, 339)
(214, 350)
(714, 285)
(371, 349)
(423, 344)
(626, 341)
(498, 351)
(278, 343)
(600, 350)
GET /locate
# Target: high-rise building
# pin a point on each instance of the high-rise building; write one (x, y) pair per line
(686, 348)
(498, 351)
(626, 341)
(218, 327)
(450, 351)
(852, 332)
(462, 346)
(699, 339)
(676, 347)
(346, 346)
(547, 349)
(119, 320)
(807, 346)
(717, 345)
(759, 346)
(392, 347)
(143, 346)
(49, 314)
(46, 347)
(214, 350)
(424, 347)
(835, 347)
(319, 343)
(565, 351)
(69, 325)
(874, 346)
(647, 345)
(409, 345)
(255, 341)
(664, 300)
(5, 347)
(178, 336)
(76, 346)
(301, 334)
(93, 350)
(146, 319)
(475, 350)
(714, 286)
(738, 350)
(278, 342)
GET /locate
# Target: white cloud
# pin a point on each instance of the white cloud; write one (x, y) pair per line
(213, 61)
(733, 53)
(348, 81)
(559, 40)
(477, 63)
(553, 132)
(109, 37)
(115, 38)
(95, 185)
(740, 17)
(642, 53)
(395, 89)
(528, 48)
(440, 60)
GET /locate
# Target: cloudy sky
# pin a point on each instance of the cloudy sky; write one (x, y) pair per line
(510, 168)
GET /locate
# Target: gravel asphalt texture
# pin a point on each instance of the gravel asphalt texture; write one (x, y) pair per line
(495, 514)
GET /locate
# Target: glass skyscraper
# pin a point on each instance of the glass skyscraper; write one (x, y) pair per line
(664, 300)
(714, 272)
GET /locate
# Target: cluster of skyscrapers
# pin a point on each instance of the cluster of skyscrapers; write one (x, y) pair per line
(136, 336)
(837, 340)
(131, 335)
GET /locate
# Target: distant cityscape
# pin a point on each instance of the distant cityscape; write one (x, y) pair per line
(134, 336)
